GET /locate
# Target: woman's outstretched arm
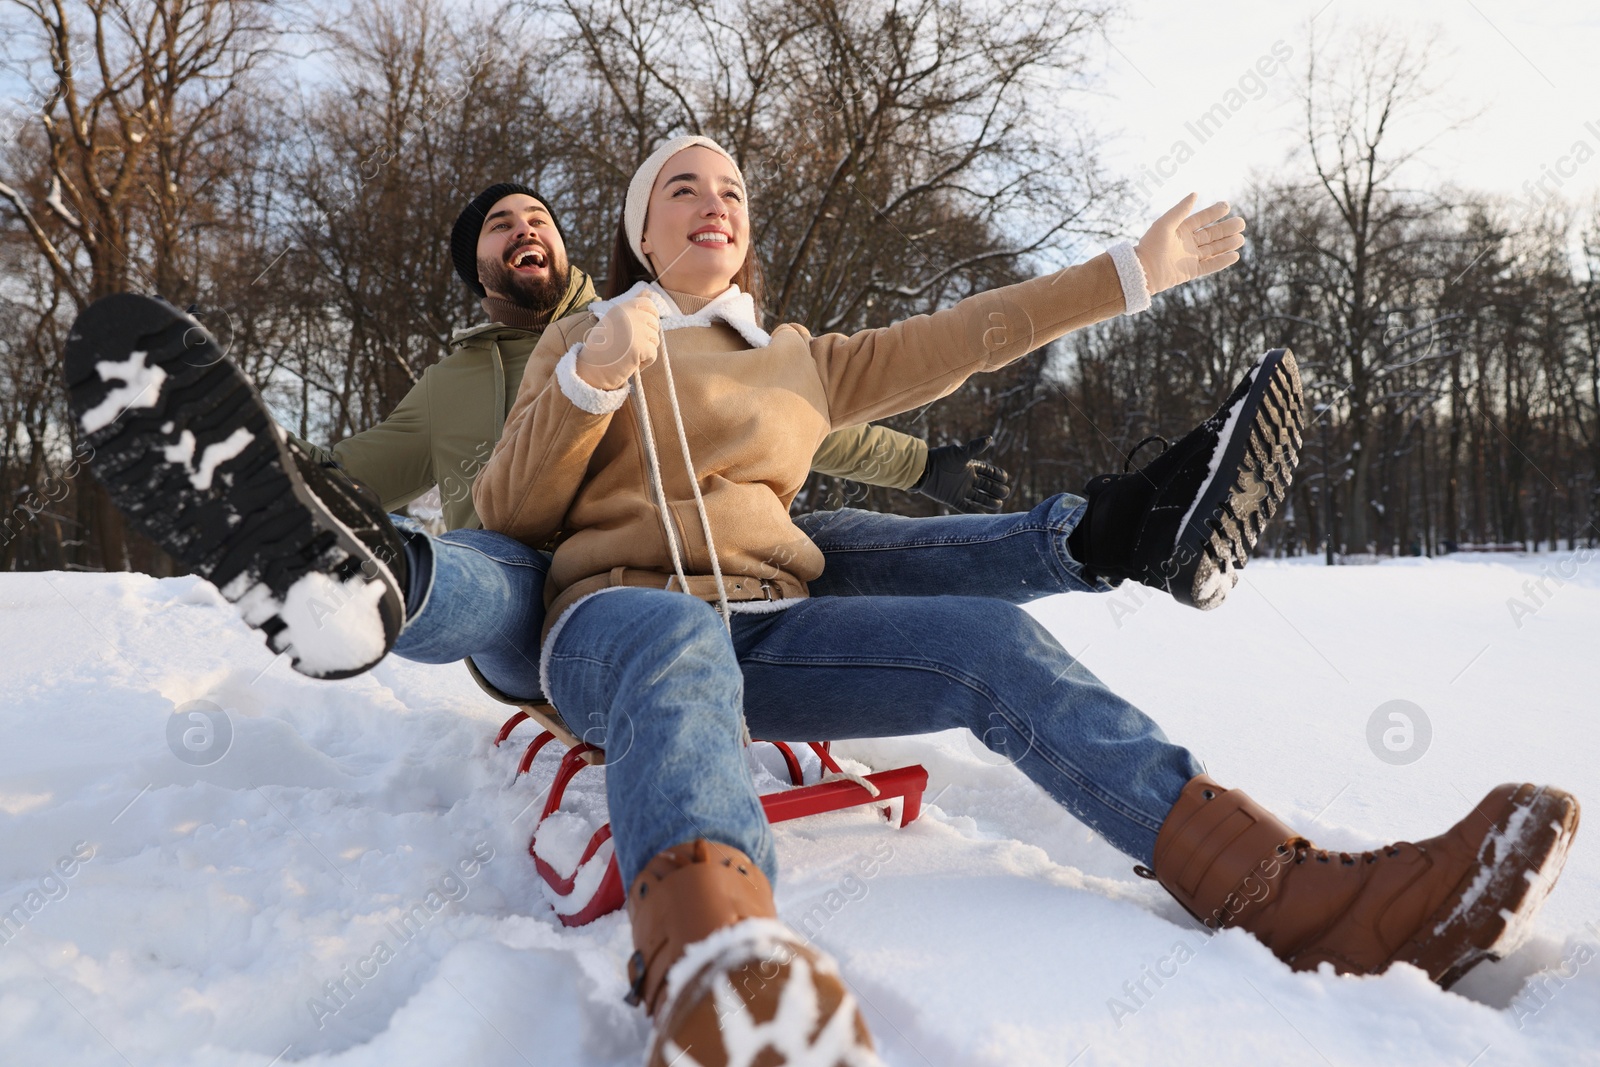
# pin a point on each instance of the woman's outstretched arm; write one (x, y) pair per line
(876, 373)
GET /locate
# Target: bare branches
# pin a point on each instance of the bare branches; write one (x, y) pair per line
(47, 247)
(857, 125)
(134, 90)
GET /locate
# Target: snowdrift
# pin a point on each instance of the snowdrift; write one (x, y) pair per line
(334, 873)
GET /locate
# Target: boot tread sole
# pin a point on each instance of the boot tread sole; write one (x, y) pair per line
(1267, 448)
(256, 524)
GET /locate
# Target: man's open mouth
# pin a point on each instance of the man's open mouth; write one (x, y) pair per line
(529, 258)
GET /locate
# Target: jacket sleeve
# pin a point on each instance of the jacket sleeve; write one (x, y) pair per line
(877, 373)
(875, 455)
(540, 461)
(394, 458)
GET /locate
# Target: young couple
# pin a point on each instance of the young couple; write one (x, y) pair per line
(656, 442)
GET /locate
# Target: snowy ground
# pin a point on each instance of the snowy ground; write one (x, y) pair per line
(175, 914)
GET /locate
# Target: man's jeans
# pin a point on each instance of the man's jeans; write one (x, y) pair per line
(498, 610)
(1015, 558)
(485, 599)
(658, 678)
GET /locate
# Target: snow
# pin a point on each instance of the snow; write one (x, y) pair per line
(1220, 578)
(141, 388)
(329, 625)
(332, 625)
(181, 453)
(342, 878)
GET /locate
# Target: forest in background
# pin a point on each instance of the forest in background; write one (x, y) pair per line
(293, 172)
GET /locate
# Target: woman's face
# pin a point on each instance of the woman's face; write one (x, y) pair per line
(696, 231)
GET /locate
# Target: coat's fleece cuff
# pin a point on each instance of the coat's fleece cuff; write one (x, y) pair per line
(1135, 286)
(594, 401)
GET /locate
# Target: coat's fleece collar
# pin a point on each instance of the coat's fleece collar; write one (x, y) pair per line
(732, 307)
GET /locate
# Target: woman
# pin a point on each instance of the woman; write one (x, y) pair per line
(672, 475)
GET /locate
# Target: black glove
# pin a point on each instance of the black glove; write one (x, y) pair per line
(957, 480)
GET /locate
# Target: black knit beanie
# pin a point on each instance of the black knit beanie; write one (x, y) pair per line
(469, 224)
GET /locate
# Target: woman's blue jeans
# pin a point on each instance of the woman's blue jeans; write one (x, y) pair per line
(655, 678)
(666, 685)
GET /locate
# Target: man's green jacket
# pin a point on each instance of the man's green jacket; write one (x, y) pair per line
(443, 431)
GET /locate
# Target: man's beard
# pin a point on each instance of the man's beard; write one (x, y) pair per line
(540, 295)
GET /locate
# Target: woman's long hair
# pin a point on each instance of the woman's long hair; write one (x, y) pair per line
(626, 269)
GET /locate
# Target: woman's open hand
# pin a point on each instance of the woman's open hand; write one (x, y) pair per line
(1181, 246)
(625, 339)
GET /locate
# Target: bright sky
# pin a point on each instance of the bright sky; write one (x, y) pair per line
(1526, 69)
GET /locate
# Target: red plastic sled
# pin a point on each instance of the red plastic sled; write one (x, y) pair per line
(593, 890)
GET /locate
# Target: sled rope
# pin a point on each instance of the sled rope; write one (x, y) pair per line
(851, 776)
(694, 483)
(654, 459)
(654, 462)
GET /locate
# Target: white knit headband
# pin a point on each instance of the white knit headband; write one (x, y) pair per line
(644, 179)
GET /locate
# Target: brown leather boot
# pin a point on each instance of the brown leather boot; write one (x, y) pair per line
(728, 984)
(1444, 904)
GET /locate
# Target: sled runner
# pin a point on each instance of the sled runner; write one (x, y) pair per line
(594, 888)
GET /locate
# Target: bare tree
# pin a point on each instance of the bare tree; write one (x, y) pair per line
(1353, 99)
(134, 111)
(136, 97)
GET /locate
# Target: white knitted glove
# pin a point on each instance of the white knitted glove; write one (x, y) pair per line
(625, 339)
(1181, 247)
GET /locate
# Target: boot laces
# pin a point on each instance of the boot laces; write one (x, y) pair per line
(1306, 850)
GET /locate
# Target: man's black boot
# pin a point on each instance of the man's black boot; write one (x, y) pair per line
(187, 450)
(359, 509)
(1187, 520)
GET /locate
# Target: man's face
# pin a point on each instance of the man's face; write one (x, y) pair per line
(520, 254)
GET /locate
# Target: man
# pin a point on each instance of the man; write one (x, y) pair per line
(508, 249)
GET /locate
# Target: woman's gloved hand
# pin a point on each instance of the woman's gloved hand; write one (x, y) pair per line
(954, 478)
(625, 339)
(1185, 244)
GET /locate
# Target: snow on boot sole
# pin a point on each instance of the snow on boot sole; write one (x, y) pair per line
(183, 443)
(1252, 468)
(1491, 911)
